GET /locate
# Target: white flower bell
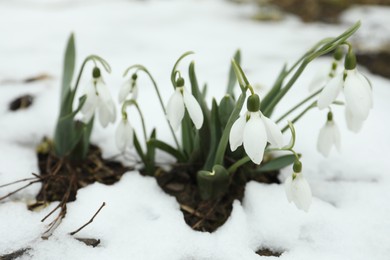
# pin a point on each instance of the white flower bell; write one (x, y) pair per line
(177, 103)
(129, 87)
(298, 189)
(357, 90)
(328, 137)
(124, 135)
(98, 100)
(253, 130)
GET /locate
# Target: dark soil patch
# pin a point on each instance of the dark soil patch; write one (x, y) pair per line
(268, 252)
(22, 102)
(62, 178)
(322, 10)
(376, 62)
(206, 215)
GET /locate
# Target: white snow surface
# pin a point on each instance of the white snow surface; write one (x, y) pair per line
(350, 213)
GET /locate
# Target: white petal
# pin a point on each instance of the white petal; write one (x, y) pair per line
(255, 138)
(354, 124)
(274, 135)
(107, 112)
(287, 188)
(193, 109)
(237, 133)
(325, 140)
(358, 95)
(336, 136)
(124, 135)
(330, 91)
(319, 79)
(91, 102)
(175, 109)
(134, 91)
(124, 91)
(301, 192)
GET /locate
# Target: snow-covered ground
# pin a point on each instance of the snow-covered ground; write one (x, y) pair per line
(350, 213)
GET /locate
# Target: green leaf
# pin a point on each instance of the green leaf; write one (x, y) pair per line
(67, 135)
(168, 149)
(213, 184)
(226, 107)
(277, 163)
(203, 135)
(215, 135)
(232, 76)
(274, 91)
(150, 155)
(138, 148)
(69, 65)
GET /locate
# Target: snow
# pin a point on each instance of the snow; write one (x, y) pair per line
(349, 217)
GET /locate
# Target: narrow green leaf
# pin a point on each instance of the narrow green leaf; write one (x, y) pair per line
(138, 148)
(69, 65)
(150, 155)
(232, 76)
(274, 91)
(277, 163)
(168, 149)
(225, 109)
(215, 134)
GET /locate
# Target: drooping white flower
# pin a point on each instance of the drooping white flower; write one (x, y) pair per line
(298, 191)
(253, 130)
(128, 87)
(353, 123)
(124, 135)
(358, 94)
(180, 100)
(98, 101)
(356, 88)
(328, 137)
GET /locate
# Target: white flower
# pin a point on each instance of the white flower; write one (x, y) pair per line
(357, 92)
(180, 100)
(329, 136)
(298, 191)
(353, 123)
(253, 130)
(124, 135)
(99, 100)
(128, 87)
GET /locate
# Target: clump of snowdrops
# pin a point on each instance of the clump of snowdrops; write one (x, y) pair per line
(217, 140)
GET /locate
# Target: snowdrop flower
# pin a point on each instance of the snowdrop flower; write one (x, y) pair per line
(357, 90)
(177, 103)
(298, 189)
(320, 78)
(129, 87)
(253, 130)
(98, 99)
(124, 135)
(329, 136)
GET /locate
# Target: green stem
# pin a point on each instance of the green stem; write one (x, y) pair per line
(225, 135)
(298, 105)
(174, 71)
(133, 102)
(328, 47)
(142, 68)
(238, 164)
(93, 58)
(312, 105)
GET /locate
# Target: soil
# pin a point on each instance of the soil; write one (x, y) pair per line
(21, 102)
(206, 215)
(376, 62)
(62, 179)
(322, 10)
